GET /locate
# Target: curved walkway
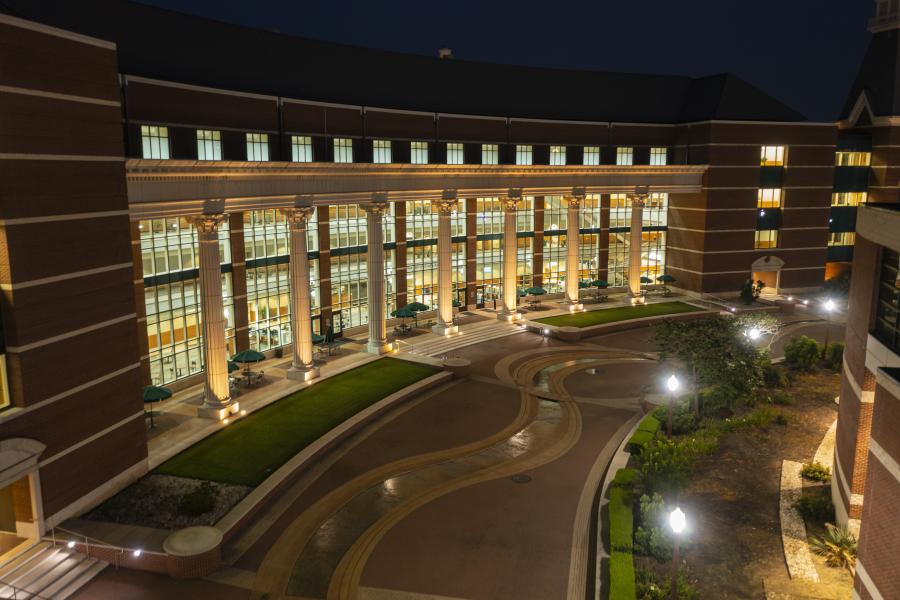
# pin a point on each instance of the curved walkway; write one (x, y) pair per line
(326, 551)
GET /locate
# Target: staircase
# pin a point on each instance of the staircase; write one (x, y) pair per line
(468, 335)
(47, 572)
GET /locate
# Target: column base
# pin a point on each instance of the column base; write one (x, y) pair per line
(302, 373)
(509, 317)
(572, 306)
(637, 298)
(218, 410)
(379, 347)
(444, 329)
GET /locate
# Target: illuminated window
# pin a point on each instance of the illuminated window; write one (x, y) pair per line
(624, 156)
(381, 151)
(592, 155)
(658, 156)
(155, 141)
(418, 153)
(524, 155)
(455, 155)
(769, 198)
(258, 147)
(766, 238)
(489, 154)
(848, 198)
(771, 156)
(209, 145)
(853, 159)
(343, 150)
(841, 238)
(557, 155)
(619, 211)
(301, 148)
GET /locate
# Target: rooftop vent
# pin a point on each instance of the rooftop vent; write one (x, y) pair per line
(445, 53)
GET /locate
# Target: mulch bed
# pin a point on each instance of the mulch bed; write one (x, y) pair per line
(732, 500)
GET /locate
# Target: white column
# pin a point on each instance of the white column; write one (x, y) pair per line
(634, 250)
(573, 250)
(302, 367)
(445, 324)
(218, 403)
(510, 252)
(377, 321)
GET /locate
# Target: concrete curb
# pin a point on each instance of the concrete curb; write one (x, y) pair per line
(793, 531)
(276, 482)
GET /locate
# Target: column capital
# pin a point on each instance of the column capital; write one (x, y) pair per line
(377, 206)
(207, 223)
(297, 217)
(511, 201)
(639, 195)
(444, 206)
(579, 192)
(574, 201)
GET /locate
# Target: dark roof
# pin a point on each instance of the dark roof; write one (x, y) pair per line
(163, 44)
(879, 76)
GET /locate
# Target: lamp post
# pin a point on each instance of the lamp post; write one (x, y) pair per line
(672, 383)
(677, 522)
(753, 333)
(829, 308)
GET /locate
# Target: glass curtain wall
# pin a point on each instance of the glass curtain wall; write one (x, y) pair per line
(488, 250)
(421, 252)
(555, 223)
(170, 260)
(653, 237)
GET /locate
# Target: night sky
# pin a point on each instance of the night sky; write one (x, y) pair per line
(803, 52)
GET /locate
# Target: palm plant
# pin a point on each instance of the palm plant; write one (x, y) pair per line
(838, 546)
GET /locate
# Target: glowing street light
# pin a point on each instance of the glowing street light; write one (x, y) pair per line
(829, 307)
(673, 384)
(753, 333)
(678, 523)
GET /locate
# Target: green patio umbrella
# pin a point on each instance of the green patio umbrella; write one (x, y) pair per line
(248, 356)
(232, 366)
(153, 394)
(317, 339)
(600, 283)
(456, 303)
(417, 307)
(329, 335)
(646, 280)
(535, 291)
(403, 313)
(521, 293)
(666, 278)
(584, 285)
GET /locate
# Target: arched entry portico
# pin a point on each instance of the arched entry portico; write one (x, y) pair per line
(21, 511)
(768, 270)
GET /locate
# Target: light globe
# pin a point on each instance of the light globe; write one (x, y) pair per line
(677, 520)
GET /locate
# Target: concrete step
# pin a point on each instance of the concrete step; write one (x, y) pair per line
(74, 579)
(29, 571)
(69, 562)
(29, 554)
(470, 335)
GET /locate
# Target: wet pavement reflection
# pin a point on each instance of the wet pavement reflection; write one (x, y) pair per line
(315, 566)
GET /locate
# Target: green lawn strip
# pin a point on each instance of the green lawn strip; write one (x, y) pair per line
(643, 434)
(621, 313)
(252, 448)
(621, 535)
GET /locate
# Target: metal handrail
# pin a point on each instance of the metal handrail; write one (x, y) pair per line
(89, 542)
(26, 595)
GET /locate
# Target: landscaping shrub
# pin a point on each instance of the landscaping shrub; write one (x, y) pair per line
(683, 418)
(625, 478)
(781, 398)
(834, 355)
(838, 546)
(650, 538)
(802, 353)
(651, 587)
(665, 465)
(621, 527)
(621, 576)
(780, 419)
(816, 472)
(643, 435)
(774, 376)
(839, 285)
(816, 508)
(199, 501)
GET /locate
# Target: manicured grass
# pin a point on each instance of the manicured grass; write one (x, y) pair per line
(251, 449)
(643, 434)
(621, 535)
(621, 313)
